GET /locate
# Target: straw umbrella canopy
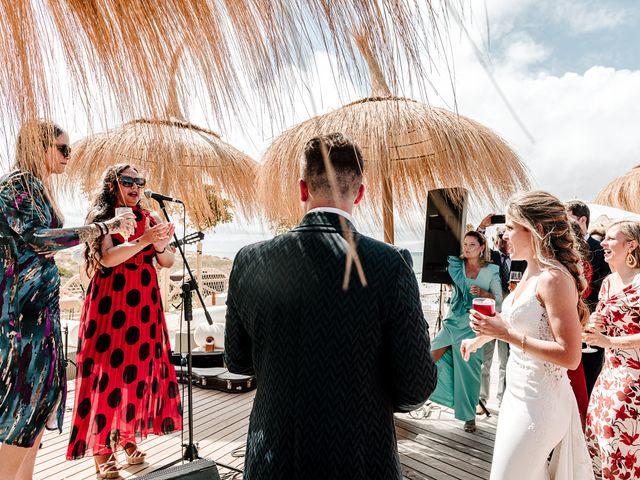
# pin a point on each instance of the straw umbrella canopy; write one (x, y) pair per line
(622, 192)
(409, 149)
(179, 159)
(115, 53)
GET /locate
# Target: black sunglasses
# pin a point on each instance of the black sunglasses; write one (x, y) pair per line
(64, 149)
(127, 181)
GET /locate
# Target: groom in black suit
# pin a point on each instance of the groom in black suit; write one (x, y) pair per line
(332, 361)
(580, 212)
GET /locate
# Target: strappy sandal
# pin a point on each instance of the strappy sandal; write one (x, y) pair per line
(109, 469)
(136, 457)
(470, 426)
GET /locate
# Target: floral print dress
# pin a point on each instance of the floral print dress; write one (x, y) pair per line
(613, 425)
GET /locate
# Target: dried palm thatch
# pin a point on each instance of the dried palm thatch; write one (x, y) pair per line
(409, 149)
(622, 192)
(117, 53)
(177, 157)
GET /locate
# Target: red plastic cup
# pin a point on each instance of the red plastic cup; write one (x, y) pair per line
(486, 306)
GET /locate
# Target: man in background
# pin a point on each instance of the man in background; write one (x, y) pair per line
(502, 258)
(579, 211)
(332, 363)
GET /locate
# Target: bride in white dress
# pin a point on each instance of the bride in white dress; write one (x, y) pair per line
(541, 320)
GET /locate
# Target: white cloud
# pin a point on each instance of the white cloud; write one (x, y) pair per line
(585, 17)
(584, 124)
(524, 51)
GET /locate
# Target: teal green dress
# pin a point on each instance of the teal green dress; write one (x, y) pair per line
(32, 370)
(459, 381)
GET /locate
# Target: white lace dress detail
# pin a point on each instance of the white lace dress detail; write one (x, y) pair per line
(539, 413)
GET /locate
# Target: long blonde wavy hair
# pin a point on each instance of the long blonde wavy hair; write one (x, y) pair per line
(553, 240)
(33, 141)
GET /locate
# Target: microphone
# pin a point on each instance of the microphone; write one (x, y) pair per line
(160, 197)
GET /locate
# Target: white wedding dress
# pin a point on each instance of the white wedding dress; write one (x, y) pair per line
(539, 413)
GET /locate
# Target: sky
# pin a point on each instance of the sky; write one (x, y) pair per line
(569, 70)
(559, 80)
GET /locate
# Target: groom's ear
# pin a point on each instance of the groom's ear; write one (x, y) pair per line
(304, 190)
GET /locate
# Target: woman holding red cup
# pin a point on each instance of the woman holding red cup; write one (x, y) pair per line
(539, 432)
(474, 279)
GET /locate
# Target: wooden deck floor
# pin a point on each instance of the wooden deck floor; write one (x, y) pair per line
(434, 447)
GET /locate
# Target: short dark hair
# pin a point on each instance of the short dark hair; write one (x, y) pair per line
(579, 209)
(346, 160)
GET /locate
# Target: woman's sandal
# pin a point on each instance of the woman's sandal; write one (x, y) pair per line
(470, 426)
(136, 457)
(109, 469)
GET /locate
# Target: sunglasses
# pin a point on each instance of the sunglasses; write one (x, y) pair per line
(127, 181)
(64, 149)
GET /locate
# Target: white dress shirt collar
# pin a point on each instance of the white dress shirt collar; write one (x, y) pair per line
(339, 211)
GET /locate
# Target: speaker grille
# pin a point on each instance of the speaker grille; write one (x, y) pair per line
(200, 469)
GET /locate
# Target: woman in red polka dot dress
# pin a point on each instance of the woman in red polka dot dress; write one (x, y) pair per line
(126, 387)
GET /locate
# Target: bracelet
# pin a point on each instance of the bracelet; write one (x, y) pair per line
(106, 229)
(160, 251)
(99, 225)
(523, 343)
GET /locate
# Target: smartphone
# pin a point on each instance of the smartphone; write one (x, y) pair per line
(495, 219)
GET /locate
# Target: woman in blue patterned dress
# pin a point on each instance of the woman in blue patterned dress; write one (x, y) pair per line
(32, 371)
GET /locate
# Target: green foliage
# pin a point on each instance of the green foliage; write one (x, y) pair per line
(221, 208)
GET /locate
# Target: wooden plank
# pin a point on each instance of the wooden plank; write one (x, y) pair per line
(454, 466)
(435, 448)
(444, 447)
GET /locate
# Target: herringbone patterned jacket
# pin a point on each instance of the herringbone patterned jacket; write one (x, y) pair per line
(332, 365)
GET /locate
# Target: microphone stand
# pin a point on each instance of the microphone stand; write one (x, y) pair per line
(190, 448)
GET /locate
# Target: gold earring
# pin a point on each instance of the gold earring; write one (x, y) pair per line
(631, 260)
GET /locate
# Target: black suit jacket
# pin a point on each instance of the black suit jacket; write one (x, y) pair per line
(516, 266)
(332, 365)
(600, 271)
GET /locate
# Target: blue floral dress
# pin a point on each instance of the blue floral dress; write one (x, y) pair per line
(32, 370)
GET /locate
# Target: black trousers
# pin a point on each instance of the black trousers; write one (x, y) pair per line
(592, 363)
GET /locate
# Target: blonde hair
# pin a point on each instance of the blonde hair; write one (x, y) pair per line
(34, 139)
(485, 258)
(554, 242)
(630, 231)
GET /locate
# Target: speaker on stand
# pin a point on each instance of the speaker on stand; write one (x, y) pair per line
(444, 230)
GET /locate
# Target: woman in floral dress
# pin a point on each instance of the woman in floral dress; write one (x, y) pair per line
(126, 387)
(32, 371)
(613, 426)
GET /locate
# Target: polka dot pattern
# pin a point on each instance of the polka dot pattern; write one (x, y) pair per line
(119, 319)
(126, 387)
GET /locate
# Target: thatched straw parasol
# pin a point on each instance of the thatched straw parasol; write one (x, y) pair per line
(622, 192)
(177, 157)
(409, 149)
(116, 54)
(180, 159)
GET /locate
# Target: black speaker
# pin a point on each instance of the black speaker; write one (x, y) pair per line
(444, 230)
(200, 469)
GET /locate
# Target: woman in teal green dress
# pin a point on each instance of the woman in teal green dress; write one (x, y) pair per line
(32, 371)
(459, 381)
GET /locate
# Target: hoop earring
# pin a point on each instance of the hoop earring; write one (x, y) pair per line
(631, 260)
